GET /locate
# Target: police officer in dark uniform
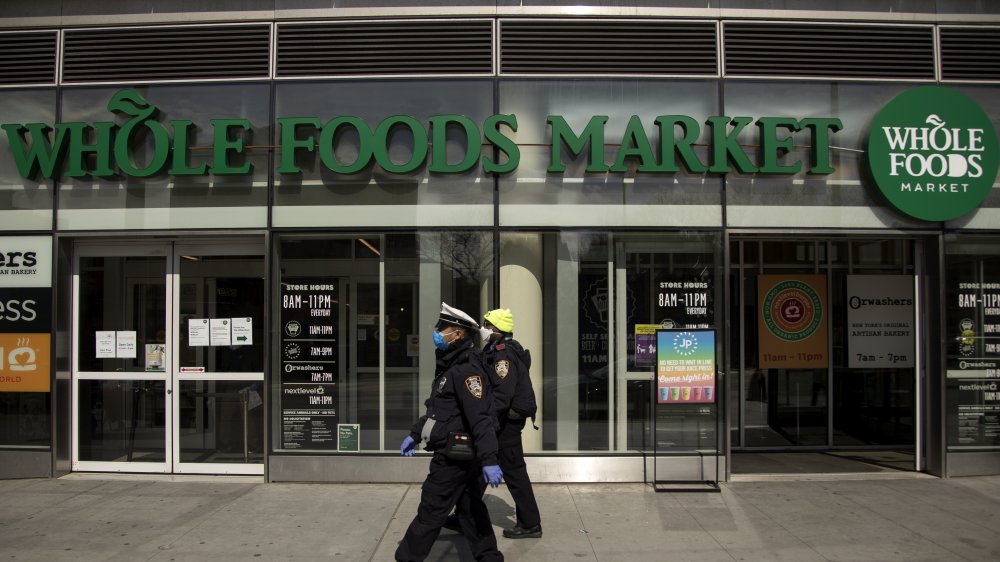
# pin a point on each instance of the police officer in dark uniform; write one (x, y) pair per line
(514, 403)
(459, 410)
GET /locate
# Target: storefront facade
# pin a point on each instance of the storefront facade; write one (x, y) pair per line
(229, 234)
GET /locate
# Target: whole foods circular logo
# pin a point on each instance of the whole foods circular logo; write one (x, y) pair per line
(792, 310)
(933, 153)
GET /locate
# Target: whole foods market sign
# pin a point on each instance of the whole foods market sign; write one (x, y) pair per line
(933, 153)
(107, 149)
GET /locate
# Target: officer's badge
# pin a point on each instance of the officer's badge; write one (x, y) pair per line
(475, 386)
(502, 367)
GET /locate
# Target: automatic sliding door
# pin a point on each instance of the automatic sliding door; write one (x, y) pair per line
(220, 368)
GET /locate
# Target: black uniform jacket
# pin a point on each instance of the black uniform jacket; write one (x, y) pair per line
(509, 363)
(461, 401)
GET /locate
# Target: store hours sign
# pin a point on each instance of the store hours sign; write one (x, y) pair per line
(310, 388)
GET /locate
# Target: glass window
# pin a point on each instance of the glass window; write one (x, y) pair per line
(841, 199)
(374, 197)
(338, 344)
(24, 419)
(972, 336)
(175, 201)
(25, 204)
(670, 282)
(529, 194)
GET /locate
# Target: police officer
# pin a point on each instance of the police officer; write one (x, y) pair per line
(459, 410)
(514, 403)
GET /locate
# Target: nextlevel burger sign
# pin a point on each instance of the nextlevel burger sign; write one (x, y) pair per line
(933, 153)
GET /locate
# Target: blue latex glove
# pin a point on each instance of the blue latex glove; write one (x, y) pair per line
(406, 448)
(492, 474)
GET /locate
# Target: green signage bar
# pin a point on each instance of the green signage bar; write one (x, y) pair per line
(107, 149)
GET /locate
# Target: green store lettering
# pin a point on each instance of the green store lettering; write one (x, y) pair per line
(107, 149)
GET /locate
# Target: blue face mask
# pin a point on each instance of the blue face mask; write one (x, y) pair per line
(439, 341)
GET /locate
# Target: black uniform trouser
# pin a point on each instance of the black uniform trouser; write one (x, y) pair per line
(515, 473)
(442, 490)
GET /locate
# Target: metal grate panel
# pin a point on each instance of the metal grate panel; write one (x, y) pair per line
(166, 53)
(829, 51)
(385, 48)
(970, 53)
(28, 58)
(608, 47)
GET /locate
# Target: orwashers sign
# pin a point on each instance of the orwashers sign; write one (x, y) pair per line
(792, 319)
(25, 313)
(26, 261)
(933, 153)
(880, 321)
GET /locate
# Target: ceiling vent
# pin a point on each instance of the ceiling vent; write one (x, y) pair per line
(203, 52)
(362, 48)
(970, 53)
(877, 52)
(28, 58)
(594, 47)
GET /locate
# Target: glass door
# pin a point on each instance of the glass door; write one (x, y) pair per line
(218, 375)
(120, 398)
(168, 358)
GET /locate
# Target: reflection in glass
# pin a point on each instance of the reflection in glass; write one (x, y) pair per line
(221, 422)
(24, 419)
(421, 271)
(122, 420)
(121, 294)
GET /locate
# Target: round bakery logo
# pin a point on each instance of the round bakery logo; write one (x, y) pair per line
(792, 311)
(933, 153)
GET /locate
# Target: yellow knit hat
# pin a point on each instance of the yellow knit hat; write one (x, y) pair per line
(502, 319)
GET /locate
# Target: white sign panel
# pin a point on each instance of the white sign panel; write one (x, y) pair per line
(880, 321)
(125, 345)
(105, 345)
(26, 261)
(242, 331)
(219, 331)
(197, 332)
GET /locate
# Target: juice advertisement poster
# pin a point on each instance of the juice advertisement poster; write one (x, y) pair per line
(685, 366)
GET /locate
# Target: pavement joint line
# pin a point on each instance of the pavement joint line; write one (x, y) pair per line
(583, 526)
(388, 523)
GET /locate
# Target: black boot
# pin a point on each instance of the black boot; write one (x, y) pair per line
(519, 532)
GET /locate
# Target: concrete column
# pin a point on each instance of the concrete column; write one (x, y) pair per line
(521, 291)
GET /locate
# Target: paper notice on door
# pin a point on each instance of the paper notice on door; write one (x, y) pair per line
(219, 331)
(155, 355)
(105, 345)
(242, 331)
(197, 332)
(125, 345)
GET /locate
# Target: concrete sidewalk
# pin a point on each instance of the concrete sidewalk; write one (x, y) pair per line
(127, 518)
